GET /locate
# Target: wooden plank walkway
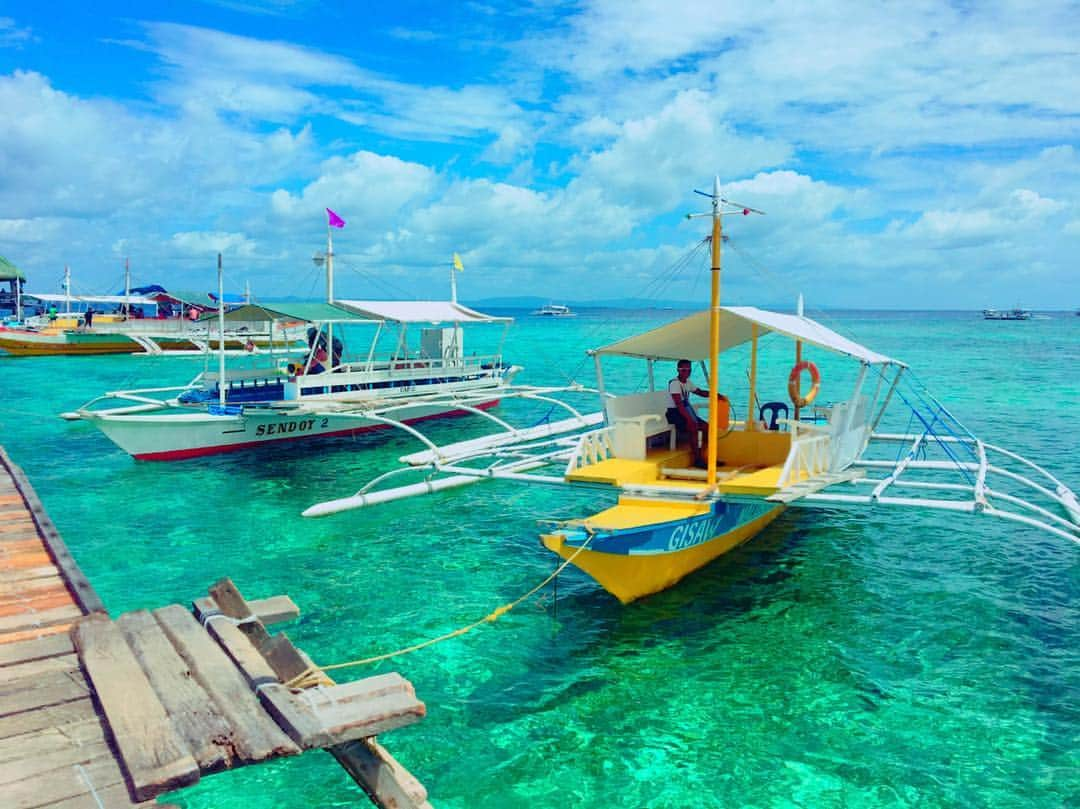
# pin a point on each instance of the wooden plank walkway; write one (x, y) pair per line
(100, 714)
(54, 747)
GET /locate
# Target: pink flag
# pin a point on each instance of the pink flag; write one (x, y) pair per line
(334, 220)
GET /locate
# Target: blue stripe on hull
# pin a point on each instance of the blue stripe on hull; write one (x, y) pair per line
(669, 537)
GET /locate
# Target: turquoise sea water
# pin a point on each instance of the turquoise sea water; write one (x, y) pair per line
(840, 659)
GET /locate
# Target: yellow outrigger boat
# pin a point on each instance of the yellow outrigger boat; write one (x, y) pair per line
(671, 518)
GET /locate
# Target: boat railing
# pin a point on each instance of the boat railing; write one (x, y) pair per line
(809, 456)
(592, 448)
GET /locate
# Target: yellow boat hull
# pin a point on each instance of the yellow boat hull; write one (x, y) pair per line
(632, 562)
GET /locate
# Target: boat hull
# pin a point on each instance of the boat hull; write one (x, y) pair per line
(175, 436)
(639, 560)
(21, 343)
(25, 343)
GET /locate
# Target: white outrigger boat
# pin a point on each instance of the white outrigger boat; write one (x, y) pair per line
(318, 392)
(671, 518)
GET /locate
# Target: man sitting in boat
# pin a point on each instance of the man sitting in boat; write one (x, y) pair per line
(682, 413)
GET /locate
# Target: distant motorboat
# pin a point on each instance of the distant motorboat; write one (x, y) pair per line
(554, 310)
(1007, 314)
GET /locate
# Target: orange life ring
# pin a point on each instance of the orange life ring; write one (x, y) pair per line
(793, 383)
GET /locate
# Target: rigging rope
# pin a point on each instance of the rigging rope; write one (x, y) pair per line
(315, 675)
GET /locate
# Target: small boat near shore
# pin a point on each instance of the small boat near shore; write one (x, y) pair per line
(1006, 314)
(129, 323)
(554, 310)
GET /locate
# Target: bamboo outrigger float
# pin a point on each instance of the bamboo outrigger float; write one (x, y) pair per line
(671, 518)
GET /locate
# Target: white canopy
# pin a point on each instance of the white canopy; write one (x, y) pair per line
(419, 312)
(134, 300)
(689, 338)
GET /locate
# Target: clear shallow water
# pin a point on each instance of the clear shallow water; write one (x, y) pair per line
(840, 659)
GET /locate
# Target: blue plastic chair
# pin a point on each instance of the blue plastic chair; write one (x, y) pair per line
(774, 409)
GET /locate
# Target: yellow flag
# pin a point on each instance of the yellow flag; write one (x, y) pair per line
(457, 263)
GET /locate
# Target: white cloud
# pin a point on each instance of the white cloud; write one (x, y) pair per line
(367, 189)
(892, 150)
(198, 244)
(11, 35)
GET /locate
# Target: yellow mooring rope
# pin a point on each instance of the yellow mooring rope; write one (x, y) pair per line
(313, 675)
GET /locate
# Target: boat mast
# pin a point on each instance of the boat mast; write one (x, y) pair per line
(127, 289)
(221, 332)
(714, 318)
(714, 336)
(18, 297)
(67, 290)
(329, 299)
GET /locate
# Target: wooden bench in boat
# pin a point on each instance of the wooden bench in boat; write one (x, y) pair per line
(636, 419)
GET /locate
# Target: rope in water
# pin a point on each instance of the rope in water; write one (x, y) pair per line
(315, 675)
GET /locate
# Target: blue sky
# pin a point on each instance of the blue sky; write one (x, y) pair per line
(915, 155)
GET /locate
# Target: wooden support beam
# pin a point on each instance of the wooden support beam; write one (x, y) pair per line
(269, 611)
(154, 756)
(380, 775)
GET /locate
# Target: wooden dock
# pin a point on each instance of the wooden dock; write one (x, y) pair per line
(103, 713)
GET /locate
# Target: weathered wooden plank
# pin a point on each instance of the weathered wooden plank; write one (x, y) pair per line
(99, 770)
(32, 634)
(85, 595)
(193, 713)
(10, 590)
(327, 716)
(36, 602)
(12, 545)
(42, 743)
(256, 737)
(154, 756)
(33, 619)
(27, 559)
(51, 716)
(12, 653)
(113, 797)
(13, 576)
(380, 775)
(31, 693)
(28, 532)
(12, 772)
(13, 524)
(36, 668)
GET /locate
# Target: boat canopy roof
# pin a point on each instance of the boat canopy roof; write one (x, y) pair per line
(292, 310)
(9, 272)
(689, 338)
(420, 312)
(51, 297)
